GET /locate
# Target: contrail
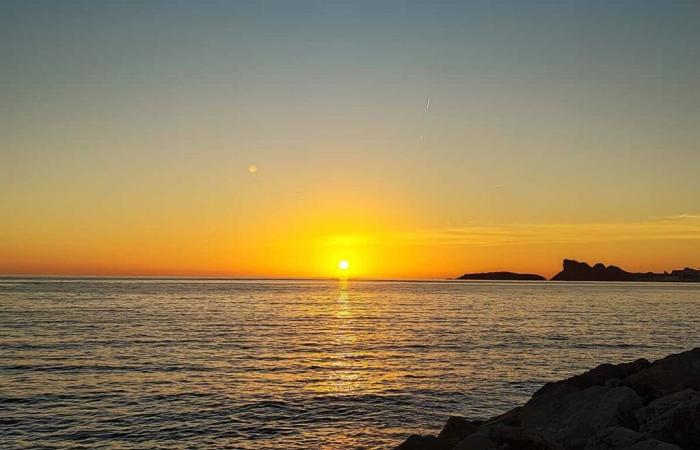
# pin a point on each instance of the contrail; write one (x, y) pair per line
(427, 105)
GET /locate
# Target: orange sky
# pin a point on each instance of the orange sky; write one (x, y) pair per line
(411, 140)
(294, 243)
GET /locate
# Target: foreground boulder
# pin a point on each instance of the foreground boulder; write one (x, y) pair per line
(504, 437)
(604, 374)
(417, 442)
(674, 418)
(632, 406)
(457, 428)
(671, 374)
(619, 438)
(572, 418)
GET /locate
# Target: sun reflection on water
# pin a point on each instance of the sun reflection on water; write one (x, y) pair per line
(343, 311)
(346, 363)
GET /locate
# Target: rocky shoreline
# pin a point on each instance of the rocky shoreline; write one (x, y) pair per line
(639, 405)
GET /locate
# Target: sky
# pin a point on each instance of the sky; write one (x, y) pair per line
(412, 139)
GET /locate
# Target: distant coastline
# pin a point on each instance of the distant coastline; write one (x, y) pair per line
(573, 270)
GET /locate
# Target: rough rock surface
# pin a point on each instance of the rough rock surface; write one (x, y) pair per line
(416, 442)
(672, 374)
(632, 406)
(572, 418)
(599, 376)
(674, 418)
(504, 437)
(457, 428)
(619, 438)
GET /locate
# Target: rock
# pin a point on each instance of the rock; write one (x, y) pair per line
(511, 418)
(601, 409)
(663, 405)
(603, 375)
(477, 442)
(503, 437)
(580, 271)
(457, 428)
(674, 418)
(417, 442)
(619, 438)
(671, 374)
(652, 444)
(570, 419)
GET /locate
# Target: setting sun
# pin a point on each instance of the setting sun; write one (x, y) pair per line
(343, 265)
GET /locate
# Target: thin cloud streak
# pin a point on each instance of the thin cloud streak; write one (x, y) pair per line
(685, 227)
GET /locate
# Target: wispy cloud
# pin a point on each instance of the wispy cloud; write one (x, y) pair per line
(683, 227)
(686, 227)
(681, 217)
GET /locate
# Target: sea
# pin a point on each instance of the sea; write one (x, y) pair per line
(136, 363)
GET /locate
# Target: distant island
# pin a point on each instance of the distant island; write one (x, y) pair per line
(581, 271)
(502, 276)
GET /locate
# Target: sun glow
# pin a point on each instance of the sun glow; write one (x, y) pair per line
(343, 264)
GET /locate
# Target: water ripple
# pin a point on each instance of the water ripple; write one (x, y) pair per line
(175, 364)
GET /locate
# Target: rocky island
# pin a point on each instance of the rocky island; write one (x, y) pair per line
(502, 276)
(581, 271)
(638, 405)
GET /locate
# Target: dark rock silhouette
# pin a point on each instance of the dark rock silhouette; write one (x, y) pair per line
(502, 276)
(674, 418)
(631, 406)
(457, 428)
(506, 437)
(671, 374)
(570, 419)
(597, 376)
(619, 438)
(581, 271)
(416, 442)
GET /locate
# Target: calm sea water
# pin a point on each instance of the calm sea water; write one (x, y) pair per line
(139, 364)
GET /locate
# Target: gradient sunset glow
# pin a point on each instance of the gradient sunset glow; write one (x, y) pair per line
(278, 139)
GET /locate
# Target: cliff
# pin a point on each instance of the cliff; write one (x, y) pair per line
(581, 271)
(502, 276)
(638, 405)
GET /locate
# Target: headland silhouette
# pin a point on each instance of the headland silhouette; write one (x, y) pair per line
(573, 270)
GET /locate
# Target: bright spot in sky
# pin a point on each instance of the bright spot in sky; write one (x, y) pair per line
(343, 265)
(252, 169)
